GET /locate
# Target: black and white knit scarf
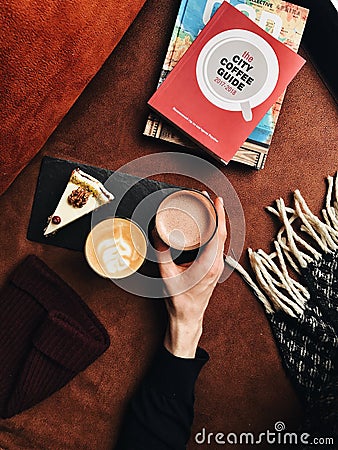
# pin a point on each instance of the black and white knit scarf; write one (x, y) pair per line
(298, 286)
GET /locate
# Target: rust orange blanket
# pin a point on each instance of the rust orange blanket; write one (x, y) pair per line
(49, 52)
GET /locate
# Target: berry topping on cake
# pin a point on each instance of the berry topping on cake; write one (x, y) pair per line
(56, 220)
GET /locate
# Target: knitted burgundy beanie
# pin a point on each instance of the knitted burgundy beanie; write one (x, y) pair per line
(47, 336)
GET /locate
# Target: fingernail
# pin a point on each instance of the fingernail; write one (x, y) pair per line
(221, 200)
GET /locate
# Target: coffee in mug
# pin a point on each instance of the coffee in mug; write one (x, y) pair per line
(186, 220)
(116, 248)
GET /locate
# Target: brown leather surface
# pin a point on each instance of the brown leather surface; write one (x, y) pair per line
(49, 52)
(244, 387)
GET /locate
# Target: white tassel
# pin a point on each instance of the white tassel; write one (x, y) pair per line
(278, 290)
(266, 280)
(259, 294)
(318, 230)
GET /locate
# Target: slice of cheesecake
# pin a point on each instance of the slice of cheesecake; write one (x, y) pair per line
(83, 194)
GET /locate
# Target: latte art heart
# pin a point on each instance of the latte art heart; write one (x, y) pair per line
(116, 254)
(113, 256)
(116, 248)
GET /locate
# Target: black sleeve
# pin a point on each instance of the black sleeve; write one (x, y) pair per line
(161, 412)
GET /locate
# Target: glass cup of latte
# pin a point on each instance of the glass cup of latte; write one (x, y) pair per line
(186, 221)
(116, 248)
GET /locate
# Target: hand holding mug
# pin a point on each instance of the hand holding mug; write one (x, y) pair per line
(186, 306)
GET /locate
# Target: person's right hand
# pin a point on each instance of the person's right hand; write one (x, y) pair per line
(190, 288)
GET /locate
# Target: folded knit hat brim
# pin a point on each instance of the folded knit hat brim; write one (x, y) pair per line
(48, 335)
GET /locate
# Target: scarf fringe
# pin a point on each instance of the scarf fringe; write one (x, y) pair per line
(276, 288)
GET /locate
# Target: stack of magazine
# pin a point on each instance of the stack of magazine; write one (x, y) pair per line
(281, 19)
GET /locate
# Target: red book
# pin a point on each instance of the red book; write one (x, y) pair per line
(227, 80)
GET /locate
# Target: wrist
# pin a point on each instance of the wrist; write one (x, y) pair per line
(181, 338)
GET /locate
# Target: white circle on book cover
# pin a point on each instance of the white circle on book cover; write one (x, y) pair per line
(264, 71)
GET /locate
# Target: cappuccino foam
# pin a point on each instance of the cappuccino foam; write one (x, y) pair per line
(186, 220)
(116, 248)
